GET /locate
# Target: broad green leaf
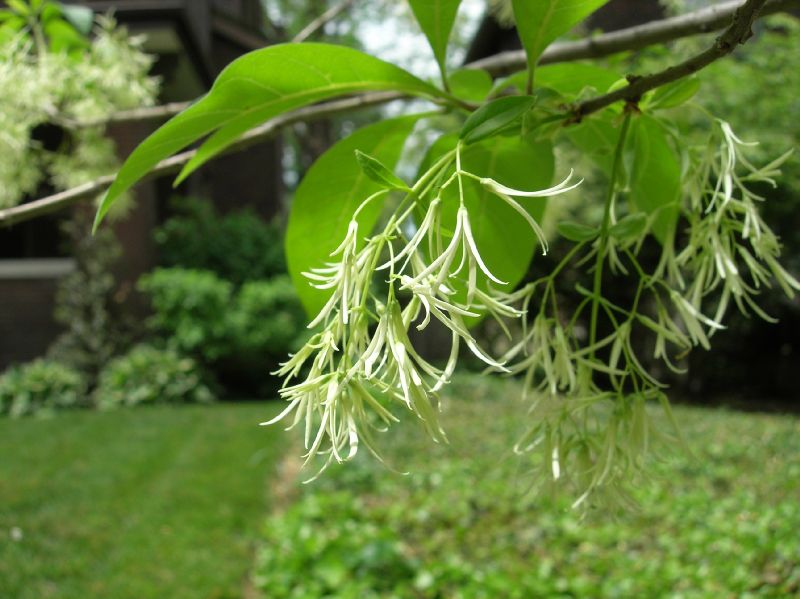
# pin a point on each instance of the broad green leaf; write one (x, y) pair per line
(255, 88)
(63, 37)
(576, 231)
(492, 118)
(472, 85)
(540, 22)
(674, 94)
(19, 7)
(629, 227)
(655, 182)
(569, 79)
(330, 193)
(436, 18)
(504, 240)
(375, 170)
(596, 137)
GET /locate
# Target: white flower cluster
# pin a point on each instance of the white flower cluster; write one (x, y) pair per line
(49, 88)
(362, 361)
(730, 248)
(588, 385)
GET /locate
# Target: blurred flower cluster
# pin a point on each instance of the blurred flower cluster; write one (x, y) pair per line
(48, 95)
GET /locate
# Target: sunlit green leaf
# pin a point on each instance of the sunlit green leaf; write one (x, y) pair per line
(596, 137)
(256, 88)
(576, 231)
(436, 18)
(328, 196)
(375, 170)
(19, 7)
(470, 84)
(655, 182)
(674, 94)
(629, 227)
(540, 22)
(492, 118)
(569, 79)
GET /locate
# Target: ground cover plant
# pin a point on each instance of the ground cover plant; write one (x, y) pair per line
(374, 255)
(721, 521)
(158, 502)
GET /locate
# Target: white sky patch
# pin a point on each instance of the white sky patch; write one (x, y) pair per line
(392, 40)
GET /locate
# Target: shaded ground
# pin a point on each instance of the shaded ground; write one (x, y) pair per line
(154, 502)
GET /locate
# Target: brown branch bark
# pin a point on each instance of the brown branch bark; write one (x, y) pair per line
(738, 32)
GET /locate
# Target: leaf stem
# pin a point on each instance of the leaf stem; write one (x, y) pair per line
(604, 227)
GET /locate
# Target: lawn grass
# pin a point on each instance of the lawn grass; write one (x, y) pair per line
(154, 502)
(721, 522)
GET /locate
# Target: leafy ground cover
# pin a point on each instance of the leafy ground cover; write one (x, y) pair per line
(722, 522)
(147, 503)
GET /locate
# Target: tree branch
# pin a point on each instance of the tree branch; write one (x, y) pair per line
(701, 21)
(636, 37)
(64, 199)
(322, 20)
(705, 20)
(738, 32)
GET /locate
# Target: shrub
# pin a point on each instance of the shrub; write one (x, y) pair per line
(93, 328)
(268, 318)
(148, 375)
(191, 308)
(238, 247)
(39, 388)
(325, 542)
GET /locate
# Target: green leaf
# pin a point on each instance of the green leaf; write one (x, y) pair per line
(492, 118)
(674, 94)
(470, 84)
(629, 227)
(569, 79)
(375, 170)
(63, 37)
(436, 18)
(540, 22)
(576, 231)
(330, 193)
(19, 7)
(255, 88)
(596, 137)
(655, 183)
(504, 240)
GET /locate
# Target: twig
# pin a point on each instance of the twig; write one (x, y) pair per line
(322, 20)
(738, 32)
(698, 22)
(705, 20)
(64, 199)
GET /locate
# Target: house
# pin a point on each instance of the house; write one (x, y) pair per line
(193, 41)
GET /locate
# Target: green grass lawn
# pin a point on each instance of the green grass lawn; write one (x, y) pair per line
(724, 522)
(155, 502)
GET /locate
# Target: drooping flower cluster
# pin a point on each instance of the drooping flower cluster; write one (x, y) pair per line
(362, 362)
(730, 247)
(589, 424)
